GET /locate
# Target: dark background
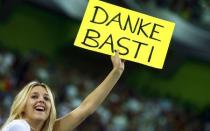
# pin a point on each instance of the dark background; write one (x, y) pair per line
(41, 34)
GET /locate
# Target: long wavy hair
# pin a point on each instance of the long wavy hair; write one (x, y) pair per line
(19, 103)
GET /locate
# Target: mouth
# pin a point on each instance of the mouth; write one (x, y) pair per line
(40, 108)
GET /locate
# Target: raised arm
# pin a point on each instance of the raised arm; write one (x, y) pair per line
(93, 100)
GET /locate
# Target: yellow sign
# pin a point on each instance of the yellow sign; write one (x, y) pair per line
(138, 37)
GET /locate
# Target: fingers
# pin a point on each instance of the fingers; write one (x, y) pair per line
(117, 62)
(117, 54)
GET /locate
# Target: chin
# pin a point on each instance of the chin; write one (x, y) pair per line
(40, 118)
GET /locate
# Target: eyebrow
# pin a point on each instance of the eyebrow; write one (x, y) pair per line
(45, 94)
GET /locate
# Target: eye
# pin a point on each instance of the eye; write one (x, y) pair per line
(34, 96)
(46, 98)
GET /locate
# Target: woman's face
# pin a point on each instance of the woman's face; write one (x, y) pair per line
(38, 104)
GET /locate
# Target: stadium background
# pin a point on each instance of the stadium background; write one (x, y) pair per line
(36, 42)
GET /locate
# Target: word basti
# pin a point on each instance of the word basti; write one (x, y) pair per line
(137, 27)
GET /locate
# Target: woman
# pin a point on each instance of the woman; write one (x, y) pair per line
(33, 108)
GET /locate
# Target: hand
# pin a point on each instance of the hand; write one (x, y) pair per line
(117, 63)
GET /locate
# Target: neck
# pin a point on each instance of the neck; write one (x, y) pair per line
(36, 125)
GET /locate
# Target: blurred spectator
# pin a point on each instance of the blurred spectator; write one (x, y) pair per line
(124, 111)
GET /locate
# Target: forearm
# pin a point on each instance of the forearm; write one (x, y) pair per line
(95, 98)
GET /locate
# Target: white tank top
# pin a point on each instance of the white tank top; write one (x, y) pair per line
(17, 125)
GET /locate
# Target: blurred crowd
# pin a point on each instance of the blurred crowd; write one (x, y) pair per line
(123, 110)
(195, 11)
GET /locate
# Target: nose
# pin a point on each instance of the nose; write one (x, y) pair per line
(41, 100)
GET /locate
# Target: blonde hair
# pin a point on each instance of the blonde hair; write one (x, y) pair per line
(20, 102)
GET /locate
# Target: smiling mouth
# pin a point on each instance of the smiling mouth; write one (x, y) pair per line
(40, 108)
